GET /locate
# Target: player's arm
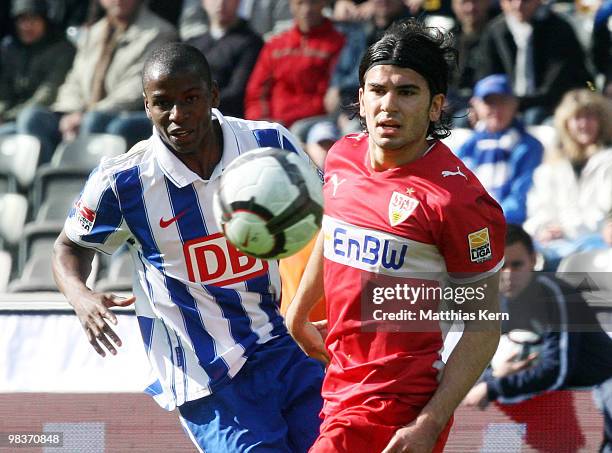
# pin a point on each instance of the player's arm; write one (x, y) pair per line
(310, 336)
(71, 265)
(465, 365)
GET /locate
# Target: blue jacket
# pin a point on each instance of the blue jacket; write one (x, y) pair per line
(575, 352)
(504, 163)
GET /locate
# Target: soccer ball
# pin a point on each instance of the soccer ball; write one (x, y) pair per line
(269, 203)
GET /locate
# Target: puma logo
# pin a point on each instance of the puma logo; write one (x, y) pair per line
(334, 180)
(446, 173)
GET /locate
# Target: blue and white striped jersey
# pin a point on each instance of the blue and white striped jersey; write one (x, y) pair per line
(202, 306)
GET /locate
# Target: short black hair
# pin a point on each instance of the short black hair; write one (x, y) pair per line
(176, 58)
(516, 233)
(426, 50)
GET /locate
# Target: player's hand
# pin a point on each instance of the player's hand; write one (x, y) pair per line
(414, 438)
(511, 365)
(93, 312)
(310, 336)
(477, 396)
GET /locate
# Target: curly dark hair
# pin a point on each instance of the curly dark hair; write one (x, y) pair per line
(426, 50)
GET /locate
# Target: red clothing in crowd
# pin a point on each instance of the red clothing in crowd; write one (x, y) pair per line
(292, 74)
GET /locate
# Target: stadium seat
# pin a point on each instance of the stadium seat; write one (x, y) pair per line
(56, 207)
(35, 263)
(85, 152)
(119, 273)
(71, 165)
(18, 161)
(13, 212)
(5, 270)
(457, 138)
(56, 185)
(547, 135)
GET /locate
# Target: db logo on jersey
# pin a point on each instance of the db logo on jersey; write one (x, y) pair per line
(480, 246)
(214, 261)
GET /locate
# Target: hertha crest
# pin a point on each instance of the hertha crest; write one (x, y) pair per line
(400, 208)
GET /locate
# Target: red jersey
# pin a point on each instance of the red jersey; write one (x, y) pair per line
(430, 216)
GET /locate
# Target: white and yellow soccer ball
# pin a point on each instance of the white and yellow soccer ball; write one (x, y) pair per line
(269, 203)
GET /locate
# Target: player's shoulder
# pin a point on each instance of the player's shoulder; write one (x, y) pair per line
(254, 125)
(139, 153)
(264, 131)
(349, 143)
(450, 179)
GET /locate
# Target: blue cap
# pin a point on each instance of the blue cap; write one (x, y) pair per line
(493, 84)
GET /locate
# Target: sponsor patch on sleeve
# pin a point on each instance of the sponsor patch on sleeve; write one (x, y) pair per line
(480, 246)
(85, 217)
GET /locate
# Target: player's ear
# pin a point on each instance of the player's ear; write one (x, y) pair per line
(435, 109)
(361, 106)
(146, 105)
(215, 97)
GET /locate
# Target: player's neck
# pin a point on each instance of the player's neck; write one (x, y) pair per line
(383, 159)
(204, 161)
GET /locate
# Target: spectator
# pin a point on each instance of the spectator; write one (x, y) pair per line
(34, 62)
(574, 351)
(602, 44)
(293, 69)
(319, 140)
(231, 48)
(103, 90)
(344, 84)
(472, 17)
(540, 53)
(361, 10)
(500, 152)
(572, 192)
(264, 15)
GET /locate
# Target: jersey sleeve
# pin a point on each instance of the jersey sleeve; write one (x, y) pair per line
(95, 221)
(472, 237)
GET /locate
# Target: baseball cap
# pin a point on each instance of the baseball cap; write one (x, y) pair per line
(36, 7)
(493, 84)
(321, 131)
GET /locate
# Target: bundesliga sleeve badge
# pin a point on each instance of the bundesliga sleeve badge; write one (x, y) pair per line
(85, 217)
(400, 208)
(480, 246)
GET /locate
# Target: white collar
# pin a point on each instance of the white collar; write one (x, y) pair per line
(178, 172)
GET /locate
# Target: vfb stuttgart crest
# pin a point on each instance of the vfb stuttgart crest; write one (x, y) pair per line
(400, 208)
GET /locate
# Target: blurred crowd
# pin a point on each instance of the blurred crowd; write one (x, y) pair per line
(530, 98)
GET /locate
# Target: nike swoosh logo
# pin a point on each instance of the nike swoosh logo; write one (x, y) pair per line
(166, 223)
